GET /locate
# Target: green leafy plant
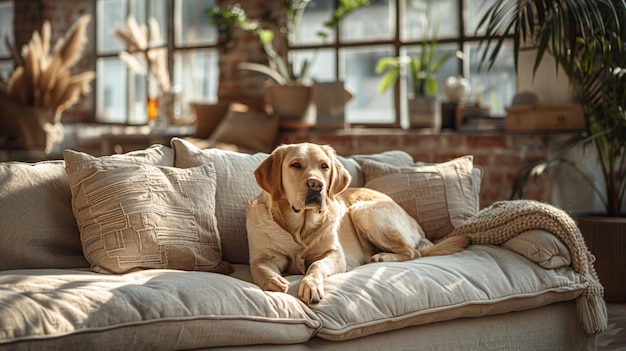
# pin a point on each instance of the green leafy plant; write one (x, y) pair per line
(279, 67)
(586, 38)
(422, 68)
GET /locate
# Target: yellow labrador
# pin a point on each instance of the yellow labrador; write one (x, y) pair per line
(307, 221)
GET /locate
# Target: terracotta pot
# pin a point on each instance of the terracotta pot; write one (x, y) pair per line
(606, 239)
(425, 112)
(291, 104)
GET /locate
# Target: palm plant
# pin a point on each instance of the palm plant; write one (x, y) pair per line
(586, 38)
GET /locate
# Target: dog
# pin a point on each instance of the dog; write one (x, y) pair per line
(307, 221)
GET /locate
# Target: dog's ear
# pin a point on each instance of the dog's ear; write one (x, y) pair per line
(269, 174)
(340, 177)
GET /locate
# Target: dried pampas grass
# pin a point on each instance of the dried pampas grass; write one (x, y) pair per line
(44, 79)
(138, 56)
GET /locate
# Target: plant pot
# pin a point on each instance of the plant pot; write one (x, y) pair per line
(291, 104)
(606, 239)
(425, 112)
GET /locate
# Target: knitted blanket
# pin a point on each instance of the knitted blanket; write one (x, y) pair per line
(506, 219)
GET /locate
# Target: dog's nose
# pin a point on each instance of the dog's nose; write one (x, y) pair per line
(314, 184)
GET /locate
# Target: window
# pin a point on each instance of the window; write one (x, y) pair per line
(6, 29)
(394, 28)
(186, 33)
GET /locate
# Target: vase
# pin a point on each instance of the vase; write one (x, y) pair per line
(456, 88)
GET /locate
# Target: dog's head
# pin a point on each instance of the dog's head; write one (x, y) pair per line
(306, 175)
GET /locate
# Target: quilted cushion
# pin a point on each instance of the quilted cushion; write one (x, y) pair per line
(49, 239)
(137, 216)
(439, 196)
(482, 280)
(151, 310)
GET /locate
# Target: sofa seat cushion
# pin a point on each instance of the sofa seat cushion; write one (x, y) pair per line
(152, 309)
(482, 280)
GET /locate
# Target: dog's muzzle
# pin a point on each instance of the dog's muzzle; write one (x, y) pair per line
(314, 195)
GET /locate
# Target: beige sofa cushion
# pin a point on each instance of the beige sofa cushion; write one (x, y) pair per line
(38, 228)
(151, 309)
(137, 216)
(439, 196)
(541, 247)
(235, 187)
(482, 280)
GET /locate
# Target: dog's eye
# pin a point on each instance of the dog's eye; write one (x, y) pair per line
(324, 166)
(296, 165)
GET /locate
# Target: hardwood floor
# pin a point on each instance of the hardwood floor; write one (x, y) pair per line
(614, 338)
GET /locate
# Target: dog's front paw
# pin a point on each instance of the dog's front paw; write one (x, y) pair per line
(276, 283)
(311, 289)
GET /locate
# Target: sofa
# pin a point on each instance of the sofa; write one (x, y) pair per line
(148, 251)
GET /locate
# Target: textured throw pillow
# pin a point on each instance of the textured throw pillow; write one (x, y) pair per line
(249, 129)
(541, 247)
(235, 187)
(137, 216)
(439, 196)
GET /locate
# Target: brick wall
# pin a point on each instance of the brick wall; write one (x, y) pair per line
(500, 155)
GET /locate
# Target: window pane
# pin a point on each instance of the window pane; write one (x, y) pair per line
(321, 64)
(111, 14)
(449, 68)
(477, 9)
(111, 90)
(6, 68)
(196, 72)
(315, 14)
(158, 11)
(421, 16)
(370, 22)
(496, 87)
(367, 105)
(192, 22)
(6, 26)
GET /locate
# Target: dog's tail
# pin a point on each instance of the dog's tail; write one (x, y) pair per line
(446, 246)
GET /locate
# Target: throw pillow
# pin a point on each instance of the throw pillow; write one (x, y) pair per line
(541, 247)
(136, 216)
(235, 187)
(439, 196)
(251, 130)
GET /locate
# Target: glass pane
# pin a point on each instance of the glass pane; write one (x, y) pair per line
(111, 90)
(321, 64)
(196, 73)
(192, 22)
(421, 17)
(477, 9)
(367, 105)
(6, 68)
(496, 87)
(370, 22)
(110, 14)
(6, 26)
(158, 11)
(315, 14)
(449, 68)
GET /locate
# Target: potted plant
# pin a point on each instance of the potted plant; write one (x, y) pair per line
(42, 86)
(289, 91)
(424, 106)
(586, 39)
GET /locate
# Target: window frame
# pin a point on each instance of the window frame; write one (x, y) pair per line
(170, 44)
(462, 42)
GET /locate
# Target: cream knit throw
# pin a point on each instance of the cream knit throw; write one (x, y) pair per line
(506, 219)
